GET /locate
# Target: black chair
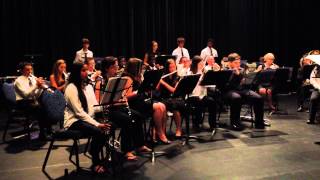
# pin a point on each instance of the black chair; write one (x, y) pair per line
(14, 114)
(54, 104)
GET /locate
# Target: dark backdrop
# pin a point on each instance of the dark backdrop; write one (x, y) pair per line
(54, 28)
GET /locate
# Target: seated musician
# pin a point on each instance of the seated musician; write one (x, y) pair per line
(236, 95)
(211, 64)
(129, 120)
(166, 88)
(266, 89)
(92, 72)
(184, 66)
(304, 85)
(138, 103)
(315, 96)
(59, 76)
(224, 63)
(199, 98)
(28, 90)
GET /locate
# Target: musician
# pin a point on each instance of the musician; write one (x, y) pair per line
(304, 85)
(151, 55)
(93, 74)
(224, 63)
(119, 113)
(28, 90)
(315, 96)
(199, 99)
(167, 87)
(122, 61)
(211, 64)
(137, 101)
(83, 53)
(59, 76)
(236, 95)
(209, 50)
(78, 115)
(266, 89)
(180, 51)
(184, 66)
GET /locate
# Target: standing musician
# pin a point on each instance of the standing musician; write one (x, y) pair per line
(180, 51)
(166, 87)
(199, 99)
(128, 119)
(138, 102)
(58, 78)
(209, 50)
(236, 95)
(84, 53)
(266, 89)
(150, 57)
(28, 90)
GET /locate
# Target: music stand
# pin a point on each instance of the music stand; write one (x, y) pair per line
(185, 87)
(149, 84)
(306, 71)
(220, 79)
(114, 90)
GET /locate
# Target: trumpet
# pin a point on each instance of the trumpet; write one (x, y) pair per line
(43, 86)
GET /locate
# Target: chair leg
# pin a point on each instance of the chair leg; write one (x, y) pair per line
(47, 155)
(71, 151)
(76, 151)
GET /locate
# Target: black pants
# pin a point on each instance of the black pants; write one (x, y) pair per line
(303, 93)
(131, 127)
(35, 110)
(199, 106)
(237, 98)
(98, 138)
(314, 102)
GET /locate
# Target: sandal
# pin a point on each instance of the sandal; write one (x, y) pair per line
(131, 157)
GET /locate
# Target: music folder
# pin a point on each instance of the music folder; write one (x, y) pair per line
(114, 90)
(218, 78)
(186, 85)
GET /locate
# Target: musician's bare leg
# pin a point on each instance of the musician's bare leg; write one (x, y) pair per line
(177, 120)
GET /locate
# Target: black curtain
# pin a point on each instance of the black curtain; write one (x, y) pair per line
(52, 29)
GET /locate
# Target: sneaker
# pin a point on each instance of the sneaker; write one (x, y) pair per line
(300, 109)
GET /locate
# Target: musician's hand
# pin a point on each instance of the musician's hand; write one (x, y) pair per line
(40, 81)
(104, 126)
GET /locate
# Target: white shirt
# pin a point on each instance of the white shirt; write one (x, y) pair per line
(206, 52)
(215, 68)
(26, 88)
(315, 79)
(181, 71)
(74, 111)
(80, 56)
(178, 54)
(91, 99)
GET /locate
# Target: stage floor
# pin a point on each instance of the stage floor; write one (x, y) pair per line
(286, 150)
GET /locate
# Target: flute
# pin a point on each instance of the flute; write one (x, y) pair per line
(166, 75)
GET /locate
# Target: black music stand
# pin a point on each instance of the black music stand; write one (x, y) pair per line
(185, 87)
(220, 79)
(306, 71)
(149, 84)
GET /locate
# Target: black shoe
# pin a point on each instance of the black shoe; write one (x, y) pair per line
(259, 126)
(300, 109)
(310, 122)
(164, 142)
(237, 127)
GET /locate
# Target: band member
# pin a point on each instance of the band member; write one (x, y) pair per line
(180, 51)
(59, 76)
(211, 64)
(28, 90)
(224, 63)
(236, 95)
(129, 120)
(266, 89)
(122, 61)
(209, 50)
(77, 117)
(167, 87)
(83, 53)
(315, 96)
(151, 55)
(93, 74)
(184, 66)
(199, 98)
(137, 102)
(304, 85)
